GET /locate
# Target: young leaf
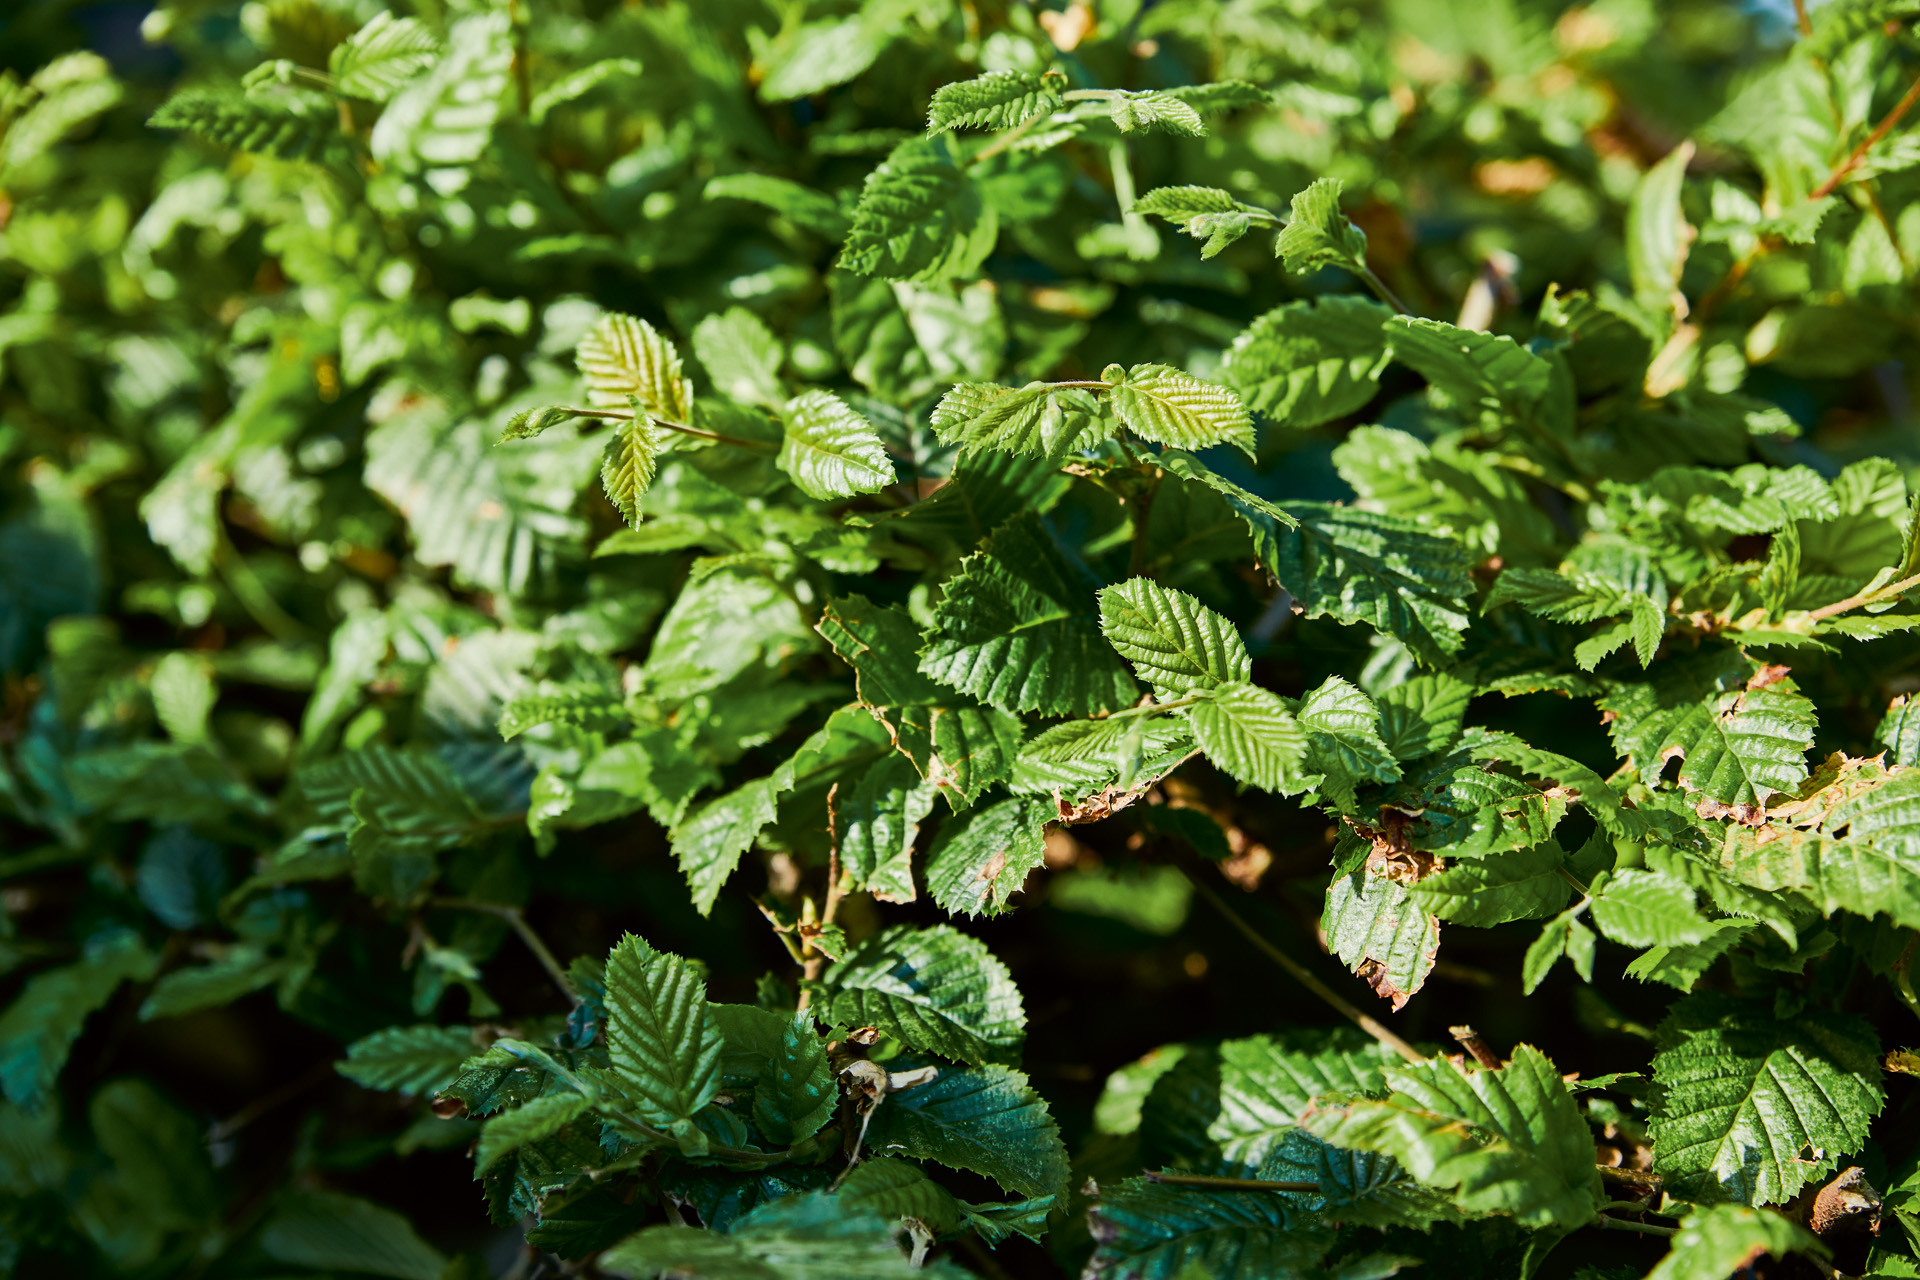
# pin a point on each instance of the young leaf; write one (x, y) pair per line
(1750, 1107)
(1508, 1141)
(632, 456)
(1251, 734)
(1172, 408)
(1318, 235)
(1018, 628)
(831, 451)
(1150, 111)
(1036, 419)
(934, 989)
(1174, 642)
(624, 358)
(375, 61)
(1564, 935)
(1205, 213)
(997, 100)
(920, 217)
(662, 1038)
(410, 1060)
(446, 117)
(1658, 234)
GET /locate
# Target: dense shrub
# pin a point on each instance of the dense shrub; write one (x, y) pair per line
(764, 626)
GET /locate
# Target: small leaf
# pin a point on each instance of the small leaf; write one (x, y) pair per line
(1169, 407)
(624, 357)
(633, 454)
(1318, 235)
(530, 1122)
(831, 451)
(997, 100)
(1173, 641)
(1150, 111)
(1251, 734)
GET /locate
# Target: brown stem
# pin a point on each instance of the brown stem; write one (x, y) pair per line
(320, 1074)
(1802, 18)
(1470, 1041)
(1859, 153)
(1372, 1026)
(515, 917)
(1638, 1179)
(1864, 597)
(1231, 1184)
(1142, 514)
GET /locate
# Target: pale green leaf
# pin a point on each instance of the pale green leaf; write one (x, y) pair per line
(1469, 366)
(1173, 408)
(375, 61)
(1318, 235)
(1657, 233)
(1520, 884)
(741, 355)
(633, 453)
(1174, 642)
(1250, 733)
(624, 357)
(1646, 909)
(831, 451)
(997, 100)
(920, 217)
(1309, 362)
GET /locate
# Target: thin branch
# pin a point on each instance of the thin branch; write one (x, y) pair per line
(1623, 1224)
(698, 433)
(1232, 1184)
(1470, 1041)
(1864, 597)
(1859, 153)
(1372, 1026)
(320, 1074)
(1381, 291)
(517, 918)
(1142, 515)
(1802, 19)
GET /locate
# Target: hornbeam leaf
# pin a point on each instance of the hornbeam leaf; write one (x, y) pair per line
(623, 356)
(997, 100)
(1343, 740)
(1318, 235)
(1151, 110)
(936, 990)
(1725, 1239)
(1310, 362)
(880, 823)
(293, 129)
(1394, 575)
(1173, 641)
(1749, 1107)
(1173, 408)
(1508, 1140)
(632, 457)
(1205, 213)
(982, 859)
(798, 1096)
(1521, 884)
(1157, 1231)
(1657, 233)
(446, 117)
(897, 1189)
(1037, 419)
(831, 451)
(1681, 966)
(1018, 628)
(1470, 366)
(920, 217)
(800, 1236)
(1383, 934)
(375, 61)
(1251, 734)
(411, 1060)
(662, 1039)
(1646, 909)
(986, 1120)
(1739, 746)
(1564, 935)
(511, 1130)
(741, 355)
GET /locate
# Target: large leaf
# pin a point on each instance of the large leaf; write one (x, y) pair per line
(920, 217)
(1173, 408)
(1154, 1231)
(1174, 642)
(661, 1037)
(1521, 884)
(986, 1120)
(831, 451)
(1310, 362)
(1507, 1140)
(1750, 1107)
(1018, 628)
(1383, 932)
(1393, 575)
(934, 989)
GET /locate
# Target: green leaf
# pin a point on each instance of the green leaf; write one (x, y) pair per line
(1205, 213)
(936, 990)
(1658, 234)
(1174, 642)
(530, 1122)
(1681, 966)
(1421, 716)
(1470, 367)
(1150, 111)
(1738, 746)
(1343, 740)
(896, 1189)
(38, 1029)
(1251, 734)
(1722, 1239)
(1382, 932)
(410, 1060)
(880, 824)
(331, 1232)
(708, 843)
(1899, 731)
(831, 451)
(1080, 757)
(740, 354)
(1018, 628)
(1318, 235)
(577, 85)
(662, 1039)
(982, 859)
(1564, 935)
(1309, 362)
(811, 1236)
(1749, 1107)
(997, 100)
(623, 358)
(633, 454)
(1155, 1231)
(986, 1120)
(375, 61)
(811, 210)
(1169, 407)
(798, 1096)
(1520, 884)
(1507, 1141)
(1358, 566)
(288, 129)
(1647, 909)
(446, 117)
(920, 217)
(1038, 419)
